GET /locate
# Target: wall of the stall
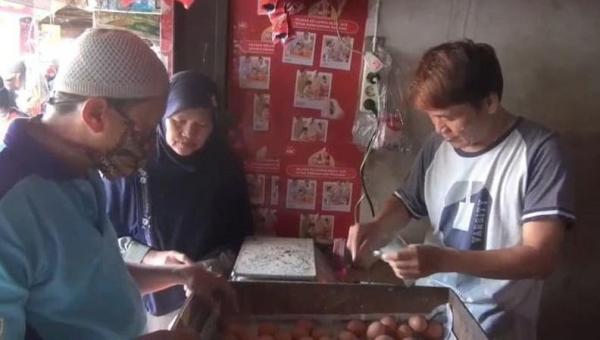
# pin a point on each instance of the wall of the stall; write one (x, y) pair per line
(201, 39)
(550, 56)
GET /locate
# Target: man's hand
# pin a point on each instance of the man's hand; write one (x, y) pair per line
(364, 237)
(208, 286)
(167, 257)
(359, 236)
(415, 261)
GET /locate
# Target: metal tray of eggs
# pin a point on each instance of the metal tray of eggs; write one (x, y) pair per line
(302, 311)
(342, 327)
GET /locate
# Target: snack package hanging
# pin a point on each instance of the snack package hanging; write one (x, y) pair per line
(392, 133)
(280, 23)
(268, 5)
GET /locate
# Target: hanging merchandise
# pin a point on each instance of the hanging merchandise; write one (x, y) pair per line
(365, 129)
(380, 123)
(279, 21)
(147, 5)
(391, 130)
(267, 5)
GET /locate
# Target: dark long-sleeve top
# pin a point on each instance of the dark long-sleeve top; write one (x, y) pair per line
(197, 205)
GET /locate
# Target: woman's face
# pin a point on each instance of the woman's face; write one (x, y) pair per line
(188, 130)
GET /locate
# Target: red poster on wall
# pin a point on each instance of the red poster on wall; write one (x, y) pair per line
(296, 102)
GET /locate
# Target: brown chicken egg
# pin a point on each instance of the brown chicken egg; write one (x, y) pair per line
(418, 323)
(404, 331)
(375, 329)
(434, 330)
(319, 332)
(283, 335)
(267, 328)
(235, 329)
(306, 324)
(390, 324)
(385, 337)
(347, 335)
(357, 327)
(300, 332)
(266, 337)
(248, 333)
(248, 337)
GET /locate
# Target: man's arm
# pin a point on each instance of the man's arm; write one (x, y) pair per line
(394, 212)
(535, 258)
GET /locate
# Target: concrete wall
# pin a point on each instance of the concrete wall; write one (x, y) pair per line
(550, 54)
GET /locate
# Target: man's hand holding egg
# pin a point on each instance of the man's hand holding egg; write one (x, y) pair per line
(415, 261)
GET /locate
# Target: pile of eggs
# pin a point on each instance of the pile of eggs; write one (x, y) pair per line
(387, 328)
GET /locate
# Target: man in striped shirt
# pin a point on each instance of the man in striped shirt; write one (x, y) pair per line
(494, 187)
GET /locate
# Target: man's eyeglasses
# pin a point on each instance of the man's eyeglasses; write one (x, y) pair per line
(117, 105)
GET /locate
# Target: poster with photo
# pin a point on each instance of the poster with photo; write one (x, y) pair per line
(301, 49)
(264, 221)
(308, 129)
(256, 188)
(332, 110)
(275, 190)
(336, 53)
(261, 114)
(321, 8)
(293, 107)
(260, 10)
(317, 227)
(321, 158)
(337, 196)
(255, 72)
(301, 194)
(313, 89)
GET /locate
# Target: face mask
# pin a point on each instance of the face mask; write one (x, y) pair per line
(128, 155)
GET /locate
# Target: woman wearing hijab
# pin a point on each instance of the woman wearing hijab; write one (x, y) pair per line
(190, 202)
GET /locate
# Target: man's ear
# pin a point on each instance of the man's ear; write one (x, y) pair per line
(492, 102)
(93, 112)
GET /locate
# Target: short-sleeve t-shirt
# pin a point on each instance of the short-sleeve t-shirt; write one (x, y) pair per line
(480, 201)
(61, 272)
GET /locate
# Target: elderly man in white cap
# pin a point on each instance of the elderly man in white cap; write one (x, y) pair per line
(61, 273)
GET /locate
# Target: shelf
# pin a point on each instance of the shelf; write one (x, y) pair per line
(124, 12)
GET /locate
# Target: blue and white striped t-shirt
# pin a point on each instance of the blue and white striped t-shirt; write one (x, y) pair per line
(480, 201)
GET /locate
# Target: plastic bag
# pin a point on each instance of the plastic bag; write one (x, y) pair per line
(391, 133)
(364, 129)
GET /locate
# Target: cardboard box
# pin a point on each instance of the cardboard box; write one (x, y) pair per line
(315, 299)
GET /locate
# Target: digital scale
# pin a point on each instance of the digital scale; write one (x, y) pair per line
(275, 258)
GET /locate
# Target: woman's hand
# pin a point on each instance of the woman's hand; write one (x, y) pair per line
(167, 257)
(209, 287)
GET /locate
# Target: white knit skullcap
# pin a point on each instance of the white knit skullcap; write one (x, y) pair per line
(112, 63)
